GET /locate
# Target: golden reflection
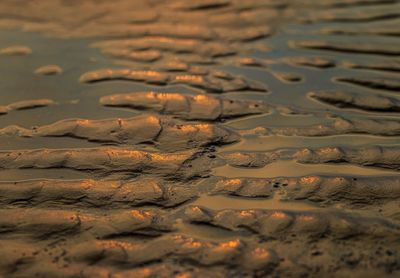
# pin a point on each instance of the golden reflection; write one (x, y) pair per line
(196, 209)
(145, 271)
(173, 40)
(309, 180)
(261, 253)
(169, 96)
(187, 128)
(306, 218)
(247, 60)
(329, 150)
(192, 244)
(130, 153)
(205, 99)
(246, 213)
(113, 244)
(183, 275)
(230, 244)
(141, 215)
(193, 78)
(190, 128)
(178, 237)
(123, 71)
(201, 98)
(279, 215)
(169, 157)
(83, 122)
(232, 182)
(148, 73)
(153, 120)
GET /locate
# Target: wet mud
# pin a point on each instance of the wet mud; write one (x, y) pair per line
(204, 138)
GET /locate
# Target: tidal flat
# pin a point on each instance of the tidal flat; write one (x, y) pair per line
(201, 138)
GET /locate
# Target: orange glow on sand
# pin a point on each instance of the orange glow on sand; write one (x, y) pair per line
(309, 180)
(279, 215)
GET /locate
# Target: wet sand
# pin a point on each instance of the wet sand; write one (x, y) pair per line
(204, 138)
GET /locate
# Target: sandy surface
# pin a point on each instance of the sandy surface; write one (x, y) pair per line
(202, 138)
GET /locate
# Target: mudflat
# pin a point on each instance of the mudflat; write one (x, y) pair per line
(202, 138)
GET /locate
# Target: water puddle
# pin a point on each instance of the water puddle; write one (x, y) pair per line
(267, 143)
(294, 169)
(29, 174)
(223, 202)
(205, 232)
